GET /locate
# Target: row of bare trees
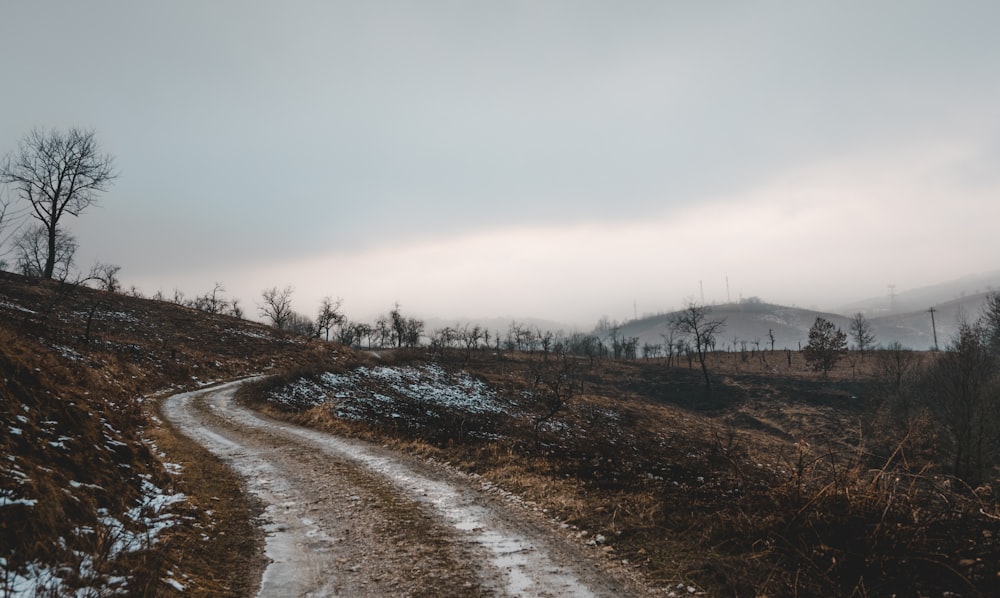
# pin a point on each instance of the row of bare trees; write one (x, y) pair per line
(393, 329)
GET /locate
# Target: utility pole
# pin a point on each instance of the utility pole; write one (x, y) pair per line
(933, 327)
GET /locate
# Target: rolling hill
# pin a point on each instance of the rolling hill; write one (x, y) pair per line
(750, 323)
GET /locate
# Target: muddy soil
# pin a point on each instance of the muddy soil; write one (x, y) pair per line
(349, 518)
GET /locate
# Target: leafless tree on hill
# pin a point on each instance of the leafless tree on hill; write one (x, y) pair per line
(669, 346)
(861, 333)
(34, 258)
(300, 324)
(329, 316)
(651, 350)
(551, 385)
(106, 276)
(277, 306)
(694, 322)
(405, 332)
(57, 174)
(470, 335)
(8, 228)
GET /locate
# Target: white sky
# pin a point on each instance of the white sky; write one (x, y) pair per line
(561, 160)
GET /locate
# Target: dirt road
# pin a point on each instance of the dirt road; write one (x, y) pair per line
(348, 518)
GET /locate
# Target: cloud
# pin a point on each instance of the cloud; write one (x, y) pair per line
(820, 235)
(563, 159)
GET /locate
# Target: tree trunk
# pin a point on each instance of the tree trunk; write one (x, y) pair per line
(50, 259)
(704, 370)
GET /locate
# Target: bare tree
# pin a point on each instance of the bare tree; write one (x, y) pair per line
(106, 276)
(403, 331)
(57, 174)
(551, 386)
(383, 330)
(470, 335)
(7, 217)
(364, 331)
(895, 367)
(414, 329)
(398, 322)
(669, 346)
(33, 256)
(861, 333)
(329, 316)
(300, 324)
(443, 338)
(235, 309)
(277, 306)
(694, 322)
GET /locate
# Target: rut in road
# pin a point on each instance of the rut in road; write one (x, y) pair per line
(346, 517)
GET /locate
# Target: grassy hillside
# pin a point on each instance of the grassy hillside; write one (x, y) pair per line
(86, 499)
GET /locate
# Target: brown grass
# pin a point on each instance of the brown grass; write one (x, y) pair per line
(766, 486)
(64, 380)
(778, 482)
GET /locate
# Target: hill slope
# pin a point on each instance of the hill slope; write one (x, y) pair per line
(747, 323)
(86, 500)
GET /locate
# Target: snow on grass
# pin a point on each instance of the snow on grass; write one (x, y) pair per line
(135, 530)
(402, 392)
(432, 384)
(67, 352)
(140, 527)
(6, 501)
(14, 306)
(428, 384)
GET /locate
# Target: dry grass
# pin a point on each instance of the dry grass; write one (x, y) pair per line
(777, 483)
(75, 364)
(766, 486)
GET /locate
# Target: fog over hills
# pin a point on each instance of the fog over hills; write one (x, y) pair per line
(898, 316)
(901, 301)
(902, 317)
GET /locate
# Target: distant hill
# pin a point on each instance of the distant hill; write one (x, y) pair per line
(752, 321)
(914, 330)
(920, 299)
(745, 322)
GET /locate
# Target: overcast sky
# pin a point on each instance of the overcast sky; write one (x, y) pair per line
(562, 160)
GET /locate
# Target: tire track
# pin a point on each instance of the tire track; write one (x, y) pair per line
(345, 517)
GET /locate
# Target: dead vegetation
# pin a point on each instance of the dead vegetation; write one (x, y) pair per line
(91, 495)
(776, 482)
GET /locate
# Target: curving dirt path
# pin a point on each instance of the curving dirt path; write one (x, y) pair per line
(349, 518)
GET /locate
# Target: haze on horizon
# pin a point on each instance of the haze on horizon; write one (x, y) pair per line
(560, 160)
